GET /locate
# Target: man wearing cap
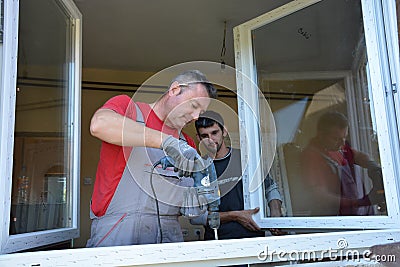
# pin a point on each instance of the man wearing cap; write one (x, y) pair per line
(235, 221)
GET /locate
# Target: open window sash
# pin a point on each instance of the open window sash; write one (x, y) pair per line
(390, 8)
(250, 250)
(358, 84)
(41, 208)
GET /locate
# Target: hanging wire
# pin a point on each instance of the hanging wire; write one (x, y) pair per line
(223, 49)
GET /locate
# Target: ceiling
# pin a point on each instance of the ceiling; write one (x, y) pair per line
(150, 35)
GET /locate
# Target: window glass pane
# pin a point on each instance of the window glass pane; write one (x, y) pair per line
(41, 193)
(312, 69)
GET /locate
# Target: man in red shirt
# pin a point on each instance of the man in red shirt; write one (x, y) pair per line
(328, 172)
(135, 202)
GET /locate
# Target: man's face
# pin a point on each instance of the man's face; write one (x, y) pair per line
(335, 138)
(212, 137)
(187, 105)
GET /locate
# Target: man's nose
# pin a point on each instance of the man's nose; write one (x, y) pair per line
(207, 138)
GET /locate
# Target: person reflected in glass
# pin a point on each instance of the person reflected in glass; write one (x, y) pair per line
(328, 169)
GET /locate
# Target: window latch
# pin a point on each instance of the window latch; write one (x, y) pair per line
(394, 88)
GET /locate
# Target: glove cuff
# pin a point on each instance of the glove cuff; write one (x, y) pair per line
(166, 141)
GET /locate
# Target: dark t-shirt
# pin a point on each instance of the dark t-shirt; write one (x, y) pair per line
(229, 174)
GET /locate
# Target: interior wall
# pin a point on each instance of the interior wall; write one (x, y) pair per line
(92, 99)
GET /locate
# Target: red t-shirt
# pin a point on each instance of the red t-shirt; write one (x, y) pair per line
(113, 157)
(324, 196)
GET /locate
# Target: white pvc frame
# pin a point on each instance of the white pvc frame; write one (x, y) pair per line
(213, 253)
(392, 41)
(7, 113)
(389, 147)
(281, 251)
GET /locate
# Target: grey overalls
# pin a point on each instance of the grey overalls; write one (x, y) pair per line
(352, 187)
(131, 218)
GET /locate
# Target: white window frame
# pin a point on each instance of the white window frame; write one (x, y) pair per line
(11, 243)
(392, 41)
(248, 118)
(213, 253)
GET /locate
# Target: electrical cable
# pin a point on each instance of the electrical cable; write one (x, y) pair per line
(223, 49)
(156, 200)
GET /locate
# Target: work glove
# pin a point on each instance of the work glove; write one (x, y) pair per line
(377, 194)
(186, 159)
(375, 173)
(194, 204)
(377, 197)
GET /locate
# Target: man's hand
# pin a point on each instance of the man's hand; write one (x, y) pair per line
(376, 197)
(186, 159)
(375, 173)
(208, 148)
(244, 217)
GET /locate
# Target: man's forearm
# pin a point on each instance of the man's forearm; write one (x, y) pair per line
(228, 216)
(362, 159)
(275, 208)
(113, 128)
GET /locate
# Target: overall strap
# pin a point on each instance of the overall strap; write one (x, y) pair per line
(140, 117)
(349, 156)
(139, 114)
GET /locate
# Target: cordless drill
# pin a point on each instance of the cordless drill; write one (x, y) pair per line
(207, 190)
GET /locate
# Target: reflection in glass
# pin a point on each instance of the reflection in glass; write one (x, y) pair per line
(310, 64)
(41, 174)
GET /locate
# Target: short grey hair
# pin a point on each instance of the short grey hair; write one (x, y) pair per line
(196, 76)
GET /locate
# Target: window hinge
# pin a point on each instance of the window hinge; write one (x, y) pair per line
(394, 88)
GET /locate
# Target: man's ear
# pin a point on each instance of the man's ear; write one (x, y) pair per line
(225, 132)
(174, 89)
(198, 137)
